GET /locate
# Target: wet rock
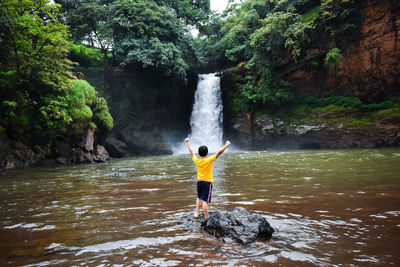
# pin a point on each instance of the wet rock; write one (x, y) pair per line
(61, 160)
(101, 154)
(116, 147)
(14, 154)
(89, 140)
(237, 224)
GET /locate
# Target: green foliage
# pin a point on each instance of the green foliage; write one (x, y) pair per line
(280, 30)
(86, 56)
(81, 93)
(298, 6)
(393, 113)
(332, 57)
(378, 106)
(341, 101)
(34, 69)
(359, 123)
(92, 126)
(311, 15)
(139, 33)
(150, 35)
(55, 115)
(89, 22)
(102, 114)
(84, 105)
(238, 29)
(194, 13)
(37, 40)
(342, 20)
(258, 86)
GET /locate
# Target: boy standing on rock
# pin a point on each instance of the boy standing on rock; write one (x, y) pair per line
(204, 175)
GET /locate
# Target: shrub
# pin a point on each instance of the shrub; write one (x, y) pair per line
(341, 101)
(332, 57)
(390, 113)
(102, 114)
(373, 107)
(356, 123)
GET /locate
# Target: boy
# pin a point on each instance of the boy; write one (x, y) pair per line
(204, 175)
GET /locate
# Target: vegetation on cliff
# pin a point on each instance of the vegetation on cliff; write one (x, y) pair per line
(259, 35)
(255, 40)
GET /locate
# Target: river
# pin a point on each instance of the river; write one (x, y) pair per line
(328, 207)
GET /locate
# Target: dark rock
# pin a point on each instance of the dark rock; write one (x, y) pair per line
(101, 154)
(145, 141)
(61, 160)
(115, 146)
(89, 158)
(14, 154)
(237, 224)
(78, 155)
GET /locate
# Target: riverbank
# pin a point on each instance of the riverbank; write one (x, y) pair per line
(330, 127)
(86, 148)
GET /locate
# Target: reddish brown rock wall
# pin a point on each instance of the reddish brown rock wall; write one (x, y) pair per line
(369, 69)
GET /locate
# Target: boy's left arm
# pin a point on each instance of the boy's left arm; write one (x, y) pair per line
(222, 149)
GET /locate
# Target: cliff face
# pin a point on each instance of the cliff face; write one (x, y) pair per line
(369, 68)
(84, 148)
(268, 132)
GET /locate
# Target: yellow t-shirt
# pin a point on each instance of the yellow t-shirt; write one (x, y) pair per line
(204, 168)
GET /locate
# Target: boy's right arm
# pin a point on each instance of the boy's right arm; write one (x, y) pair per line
(189, 147)
(222, 149)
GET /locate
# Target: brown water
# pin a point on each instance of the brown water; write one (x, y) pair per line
(329, 208)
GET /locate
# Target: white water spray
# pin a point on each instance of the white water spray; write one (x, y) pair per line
(206, 118)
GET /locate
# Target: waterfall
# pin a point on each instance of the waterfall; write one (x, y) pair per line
(206, 118)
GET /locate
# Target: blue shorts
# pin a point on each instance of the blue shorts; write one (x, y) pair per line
(204, 190)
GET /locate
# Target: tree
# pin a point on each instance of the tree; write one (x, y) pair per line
(193, 12)
(37, 42)
(90, 22)
(280, 30)
(342, 20)
(35, 81)
(151, 36)
(35, 67)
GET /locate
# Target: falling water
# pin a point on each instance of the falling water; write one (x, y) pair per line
(206, 118)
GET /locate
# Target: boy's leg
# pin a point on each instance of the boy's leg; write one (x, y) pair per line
(198, 204)
(205, 209)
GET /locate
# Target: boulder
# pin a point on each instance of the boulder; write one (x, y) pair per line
(101, 154)
(116, 147)
(89, 140)
(237, 224)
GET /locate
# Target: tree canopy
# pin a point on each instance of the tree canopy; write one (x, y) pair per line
(150, 34)
(37, 86)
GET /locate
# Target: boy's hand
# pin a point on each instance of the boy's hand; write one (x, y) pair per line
(227, 143)
(187, 140)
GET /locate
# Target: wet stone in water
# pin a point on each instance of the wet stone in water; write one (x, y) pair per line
(237, 224)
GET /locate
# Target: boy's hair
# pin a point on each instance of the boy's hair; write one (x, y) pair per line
(203, 151)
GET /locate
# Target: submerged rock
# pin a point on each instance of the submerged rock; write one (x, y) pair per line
(237, 224)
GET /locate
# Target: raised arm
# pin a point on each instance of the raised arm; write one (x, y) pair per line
(189, 147)
(222, 149)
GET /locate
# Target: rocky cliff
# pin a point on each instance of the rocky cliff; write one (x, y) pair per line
(369, 68)
(84, 148)
(271, 132)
